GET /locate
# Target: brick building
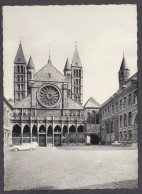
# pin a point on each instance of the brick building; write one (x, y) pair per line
(48, 105)
(119, 114)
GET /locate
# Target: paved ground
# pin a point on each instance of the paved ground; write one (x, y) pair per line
(82, 167)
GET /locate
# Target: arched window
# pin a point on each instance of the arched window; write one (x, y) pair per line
(130, 119)
(22, 79)
(42, 129)
(57, 129)
(125, 120)
(18, 69)
(80, 129)
(29, 75)
(26, 131)
(16, 132)
(120, 121)
(72, 129)
(22, 69)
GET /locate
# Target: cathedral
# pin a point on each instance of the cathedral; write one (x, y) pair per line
(48, 106)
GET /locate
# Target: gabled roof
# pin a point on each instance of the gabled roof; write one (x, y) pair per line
(24, 103)
(92, 103)
(7, 102)
(20, 59)
(76, 59)
(123, 64)
(49, 73)
(30, 64)
(67, 65)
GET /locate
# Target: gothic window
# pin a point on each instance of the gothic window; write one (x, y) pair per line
(76, 81)
(79, 82)
(120, 121)
(108, 111)
(22, 78)
(129, 100)
(112, 109)
(18, 69)
(120, 104)
(125, 120)
(49, 95)
(80, 73)
(18, 87)
(125, 102)
(77, 90)
(112, 131)
(22, 69)
(18, 78)
(135, 97)
(116, 105)
(22, 87)
(74, 73)
(130, 119)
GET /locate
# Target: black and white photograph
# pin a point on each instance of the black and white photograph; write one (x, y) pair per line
(70, 104)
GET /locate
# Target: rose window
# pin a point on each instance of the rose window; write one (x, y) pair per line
(49, 95)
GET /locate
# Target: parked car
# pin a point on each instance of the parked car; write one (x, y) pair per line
(25, 146)
(116, 143)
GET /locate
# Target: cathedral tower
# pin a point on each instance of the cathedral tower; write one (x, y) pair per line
(20, 75)
(67, 74)
(77, 78)
(124, 73)
(30, 74)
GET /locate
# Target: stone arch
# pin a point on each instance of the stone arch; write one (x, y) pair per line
(16, 132)
(34, 131)
(26, 131)
(72, 129)
(42, 129)
(50, 131)
(57, 128)
(95, 139)
(65, 130)
(80, 129)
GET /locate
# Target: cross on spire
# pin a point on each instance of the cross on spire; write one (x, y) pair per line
(75, 44)
(20, 37)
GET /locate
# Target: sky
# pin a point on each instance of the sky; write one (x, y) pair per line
(102, 33)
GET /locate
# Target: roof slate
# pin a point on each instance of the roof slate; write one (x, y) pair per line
(49, 73)
(20, 59)
(30, 64)
(76, 59)
(92, 103)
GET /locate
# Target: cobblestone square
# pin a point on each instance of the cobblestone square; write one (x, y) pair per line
(76, 167)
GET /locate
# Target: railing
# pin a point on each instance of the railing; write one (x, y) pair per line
(50, 118)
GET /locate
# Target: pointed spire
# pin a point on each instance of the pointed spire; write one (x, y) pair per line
(123, 64)
(30, 64)
(20, 55)
(67, 66)
(76, 59)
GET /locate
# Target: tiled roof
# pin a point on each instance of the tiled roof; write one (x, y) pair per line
(19, 56)
(73, 104)
(92, 103)
(76, 59)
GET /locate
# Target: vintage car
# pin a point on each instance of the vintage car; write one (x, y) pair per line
(25, 146)
(116, 143)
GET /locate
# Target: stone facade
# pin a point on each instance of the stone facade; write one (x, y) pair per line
(6, 122)
(119, 114)
(48, 105)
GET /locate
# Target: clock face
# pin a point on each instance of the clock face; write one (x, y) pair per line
(49, 95)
